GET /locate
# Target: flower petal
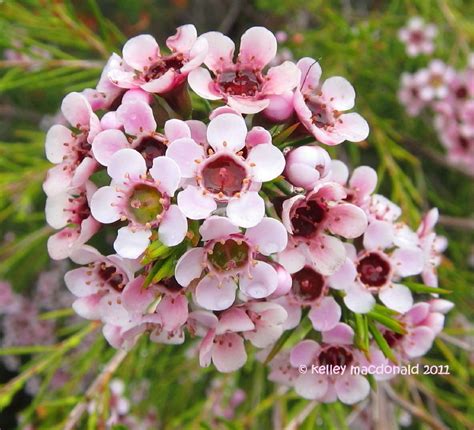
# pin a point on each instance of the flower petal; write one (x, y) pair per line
(194, 204)
(281, 78)
(310, 74)
(269, 235)
(105, 205)
(216, 227)
(137, 117)
(141, 51)
(262, 281)
(166, 171)
(227, 131)
(183, 40)
(126, 163)
(247, 210)
(352, 127)
(379, 235)
(347, 220)
(107, 143)
(57, 143)
(221, 51)
(340, 93)
(131, 244)
(173, 226)
(341, 334)
(325, 315)
(187, 153)
(176, 129)
(258, 46)
(215, 296)
(228, 353)
(397, 297)
(202, 84)
(266, 161)
(352, 388)
(189, 266)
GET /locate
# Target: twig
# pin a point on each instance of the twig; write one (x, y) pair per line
(412, 409)
(456, 342)
(457, 222)
(99, 382)
(230, 18)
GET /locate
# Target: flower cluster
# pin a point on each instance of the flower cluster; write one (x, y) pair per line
(446, 92)
(228, 231)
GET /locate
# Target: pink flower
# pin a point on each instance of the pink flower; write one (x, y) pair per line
(143, 197)
(307, 165)
(224, 176)
(432, 246)
(99, 285)
(418, 37)
(336, 350)
(434, 80)
(71, 150)
(320, 107)
(70, 211)
(229, 256)
(222, 344)
(409, 94)
(147, 68)
(308, 217)
(377, 270)
(281, 370)
(242, 84)
(310, 289)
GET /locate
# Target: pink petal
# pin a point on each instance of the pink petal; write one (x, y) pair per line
(195, 204)
(107, 143)
(216, 227)
(311, 386)
(266, 161)
(141, 51)
(310, 74)
(325, 314)
(352, 388)
(78, 282)
(85, 255)
(339, 92)
(176, 129)
(221, 51)
(183, 40)
(328, 254)
(189, 266)
(359, 300)
(269, 235)
(198, 131)
(408, 261)
(202, 84)
(56, 215)
(304, 353)
(282, 78)
(135, 298)
(105, 205)
(215, 296)
(137, 95)
(197, 55)
(205, 348)
(83, 172)
(234, 320)
(363, 180)
(258, 46)
(379, 235)
(55, 147)
(347, 220)
(352, 127)
(341, 334)
(262, 282)
(167, 173)
(246, 105)
(339, 172)
(257, 136)
(292, 260)
(280, 109)
(136, 117)
(344, 277)
(77, 110)
(227, 131)
(397, 297)
(173, 311)
(88, 307)
(229, 353)
(293, 311)
(126, 163)
(173, 227)
(187, 153)
(130, 244)
(163, 84)
(247, 210)
(418, 341)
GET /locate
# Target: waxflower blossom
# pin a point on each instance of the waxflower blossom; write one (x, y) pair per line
(229, 255)
(336, 350)
(222, 176)
(147, 68)
(418, 37)
(308, 218)
(320, 107)
(143, 198)
(242, 84)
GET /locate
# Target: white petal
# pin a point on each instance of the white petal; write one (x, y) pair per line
(173, 227)
(266, 161)
(131, 244)
(247, 210)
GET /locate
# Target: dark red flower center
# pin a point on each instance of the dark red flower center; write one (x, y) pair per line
(223, 175)
(322, 115)
(164, 64)
(374, 270)
(392, 338)
(417, 36)
(240, 82)
(461, 92)
(111, 277)
(145, 203)
(335, 356)
(80, 209)
(307, 217)
(151, 148)
(308, 284)
(230, 255)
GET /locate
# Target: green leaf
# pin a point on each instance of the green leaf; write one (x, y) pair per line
(382, 343)
(422, 288)
(387, 321)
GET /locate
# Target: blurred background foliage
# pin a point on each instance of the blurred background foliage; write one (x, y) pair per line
(64, 45)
